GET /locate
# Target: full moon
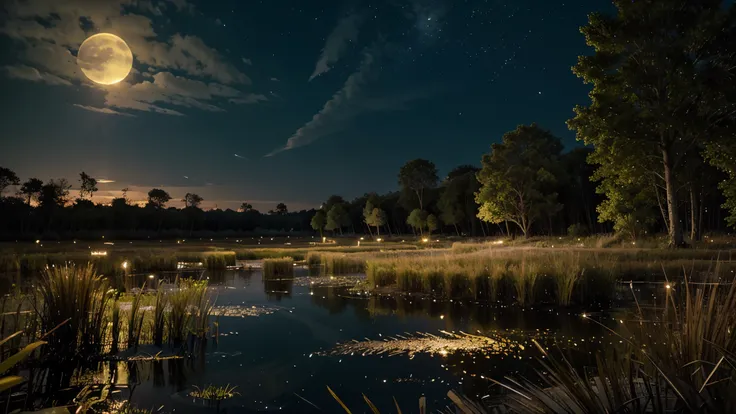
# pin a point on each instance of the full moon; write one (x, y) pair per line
(105, 58)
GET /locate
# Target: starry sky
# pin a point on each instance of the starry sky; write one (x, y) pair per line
(281, 100)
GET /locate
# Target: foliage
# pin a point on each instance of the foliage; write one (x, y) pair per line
(278, 268)
(7, 178)
(374, 216)
(432, 223)
(417, 219)
(245, 207)
(577, 230)
(516, 178)
(337, 218)
(319, 221)
(54, 193)
(457, 202)
(88, 185)
(722, 154)
(31, 189)
(648, 51)
(192, 200)
(418, 175)
(157, 198)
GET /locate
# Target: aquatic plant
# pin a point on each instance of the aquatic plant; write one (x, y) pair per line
(76, 295)
(280, 268)
(159, 316)
(213, 394)
(682, 360)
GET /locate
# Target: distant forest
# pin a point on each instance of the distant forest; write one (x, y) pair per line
(660, 157)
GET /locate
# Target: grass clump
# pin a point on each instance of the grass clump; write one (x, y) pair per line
(281, 268)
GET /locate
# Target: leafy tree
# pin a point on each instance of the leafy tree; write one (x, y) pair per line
(192, 200)
(31, 189)
(88, 187)
(331, 201)
(660, 74)
(517, 176)
(246, 207)
(157, 198)
(375, 217)
(281, 209)
(418, 220)
(55, 193)
(7, 178)
(418, 175)
(723, 156)
(457, 201)
(337, 218)
(432, 223)
(319, 220)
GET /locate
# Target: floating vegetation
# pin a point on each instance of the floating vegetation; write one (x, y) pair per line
(422, 342)
(156, 357)
(239, 311)
(214, 394)
(332, 281)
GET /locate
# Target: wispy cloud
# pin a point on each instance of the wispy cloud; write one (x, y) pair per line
(345, 33)
(107, 111)
(335, 111)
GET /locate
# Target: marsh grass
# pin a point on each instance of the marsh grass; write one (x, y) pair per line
(77, 298)
(281, 268)
(527, 276)
(679, 359)
(330, 264)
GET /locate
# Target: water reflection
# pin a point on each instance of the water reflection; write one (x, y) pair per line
(278, 289)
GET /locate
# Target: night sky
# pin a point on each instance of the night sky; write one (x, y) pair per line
(314, 97)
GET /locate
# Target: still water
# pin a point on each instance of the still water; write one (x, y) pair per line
(282, 343)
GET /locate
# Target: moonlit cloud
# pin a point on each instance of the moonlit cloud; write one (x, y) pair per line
(337, 42)
(104, 181)
(107, 111)
(204, 80)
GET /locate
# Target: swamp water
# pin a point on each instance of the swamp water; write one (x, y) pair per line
(283, 342)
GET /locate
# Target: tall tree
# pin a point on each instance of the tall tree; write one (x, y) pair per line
(457, 202)
(192, 200)
(318, 222)
(88, 185)
(417, 176)
(337, 218)
(281, 209)
(517, 176)
(245, 207)
(657, 75)
(31, 189)
(7, 178)
(158, 198)
(374, 216)
(55, 193)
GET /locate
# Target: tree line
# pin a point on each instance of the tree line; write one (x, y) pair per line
(659, 156)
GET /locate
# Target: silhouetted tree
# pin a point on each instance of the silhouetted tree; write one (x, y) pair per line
(7, 178)
(337, 218)
(192, 200)
(88, 185)
(417, 176)
(457, 202)
(245, 207)
(54, 193)
(157, 198)
(31, 189)
(432, 223)
(281, 209)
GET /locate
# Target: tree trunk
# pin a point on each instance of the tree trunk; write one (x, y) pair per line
(694, 229)
(456, 229)
(661, 209)
(378, 231)
(675, 227)
(508, 231)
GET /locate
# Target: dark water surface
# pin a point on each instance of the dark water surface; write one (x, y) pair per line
(290, 351)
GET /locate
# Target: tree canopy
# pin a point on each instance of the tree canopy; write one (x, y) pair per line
(418, 175)
(517, 178)
(158, 198)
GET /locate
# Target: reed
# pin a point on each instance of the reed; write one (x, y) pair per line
(78, 299)
(281, 268)
(159, 315)
(682, 359)
(135, 320)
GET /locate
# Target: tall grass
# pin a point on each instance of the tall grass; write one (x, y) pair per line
(679, 359)
(336, 263)
(282, 268)
(79, 299)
